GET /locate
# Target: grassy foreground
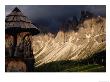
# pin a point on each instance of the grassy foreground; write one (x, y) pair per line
(70, 66)
(96, 63)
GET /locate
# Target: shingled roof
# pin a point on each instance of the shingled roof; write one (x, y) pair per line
(16, 22)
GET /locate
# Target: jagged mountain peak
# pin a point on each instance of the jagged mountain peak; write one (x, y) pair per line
(71, 45)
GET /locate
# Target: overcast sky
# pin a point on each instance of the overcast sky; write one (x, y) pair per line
(52, 15)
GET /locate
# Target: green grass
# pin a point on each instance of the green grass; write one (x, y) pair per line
(70, 66)
(86, 68)
(92, 64)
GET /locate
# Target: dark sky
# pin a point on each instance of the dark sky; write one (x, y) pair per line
(51, 16)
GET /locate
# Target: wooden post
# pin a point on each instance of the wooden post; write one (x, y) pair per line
(14, 45)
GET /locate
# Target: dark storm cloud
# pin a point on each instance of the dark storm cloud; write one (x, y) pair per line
(52, 15)
(45, 11)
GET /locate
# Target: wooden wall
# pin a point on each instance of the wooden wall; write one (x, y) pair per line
(24, 59)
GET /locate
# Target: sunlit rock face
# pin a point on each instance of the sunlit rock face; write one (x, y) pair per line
(71, 45)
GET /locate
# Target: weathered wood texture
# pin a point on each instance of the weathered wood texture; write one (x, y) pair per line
(17, 19)
(19, 30)
(23, 47)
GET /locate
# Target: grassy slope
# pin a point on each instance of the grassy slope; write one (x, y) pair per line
(93, 64)
(58, 67)
(86, 68)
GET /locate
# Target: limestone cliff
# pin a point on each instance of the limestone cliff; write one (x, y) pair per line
(71, 45)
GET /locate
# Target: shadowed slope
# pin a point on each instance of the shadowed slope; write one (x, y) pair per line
(96, 63)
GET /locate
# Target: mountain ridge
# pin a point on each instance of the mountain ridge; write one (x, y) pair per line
(71, 45)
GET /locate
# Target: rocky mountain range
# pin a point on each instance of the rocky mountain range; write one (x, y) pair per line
(80, 41)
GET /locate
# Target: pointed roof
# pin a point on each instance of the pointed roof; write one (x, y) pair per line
(17, 21)
(16, 9)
